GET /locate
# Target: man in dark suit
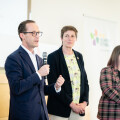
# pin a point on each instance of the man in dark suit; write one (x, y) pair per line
(25, 71)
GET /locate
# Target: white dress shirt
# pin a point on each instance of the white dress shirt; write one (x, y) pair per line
(33, 58)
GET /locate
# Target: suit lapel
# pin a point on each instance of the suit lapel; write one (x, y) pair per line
(78, 60)
(39, 62)
(66, 73)
(64, 62)
(26, 58)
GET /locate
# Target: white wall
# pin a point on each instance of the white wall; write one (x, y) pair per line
(12, 12)
(52, 15)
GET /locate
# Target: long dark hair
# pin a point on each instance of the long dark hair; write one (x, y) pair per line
(113, 61)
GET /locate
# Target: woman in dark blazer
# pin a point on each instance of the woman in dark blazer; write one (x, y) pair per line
(109, 104)
(71, 102)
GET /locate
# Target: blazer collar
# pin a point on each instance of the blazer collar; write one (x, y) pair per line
(26, 57)
(64, 62)
(39, 62)
(78, 60)
(76, 55)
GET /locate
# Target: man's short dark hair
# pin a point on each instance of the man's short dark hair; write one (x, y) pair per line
(22, 26)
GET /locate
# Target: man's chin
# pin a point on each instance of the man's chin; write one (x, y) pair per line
(36, 45)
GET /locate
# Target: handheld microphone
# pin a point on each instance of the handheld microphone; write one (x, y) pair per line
(45, 62)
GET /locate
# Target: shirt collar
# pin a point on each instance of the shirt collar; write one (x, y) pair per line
(28, 50)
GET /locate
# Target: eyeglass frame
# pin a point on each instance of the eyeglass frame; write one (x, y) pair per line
(34, 34)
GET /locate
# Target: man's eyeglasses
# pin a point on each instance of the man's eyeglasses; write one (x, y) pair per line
(35, 33)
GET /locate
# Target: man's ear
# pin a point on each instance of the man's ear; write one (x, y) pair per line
(22, 36)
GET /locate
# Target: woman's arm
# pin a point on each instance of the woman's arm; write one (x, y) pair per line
(106, 85)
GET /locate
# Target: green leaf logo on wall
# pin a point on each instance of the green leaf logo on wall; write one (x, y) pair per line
(99, 39)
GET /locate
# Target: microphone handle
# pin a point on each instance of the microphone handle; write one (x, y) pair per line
(45, 77)
(45, 62)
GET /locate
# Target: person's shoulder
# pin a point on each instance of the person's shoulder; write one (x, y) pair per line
(107, 69)
(13, 57)
(54, 53)
(78, 53)
(14, 54)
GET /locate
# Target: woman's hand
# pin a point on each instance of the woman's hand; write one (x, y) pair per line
(75, 108)
(82, 106)
(78, 108)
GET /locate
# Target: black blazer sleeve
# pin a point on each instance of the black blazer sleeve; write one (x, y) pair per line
(84, 84)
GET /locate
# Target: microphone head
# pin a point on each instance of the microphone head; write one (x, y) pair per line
(44, 58)
(44, 54)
